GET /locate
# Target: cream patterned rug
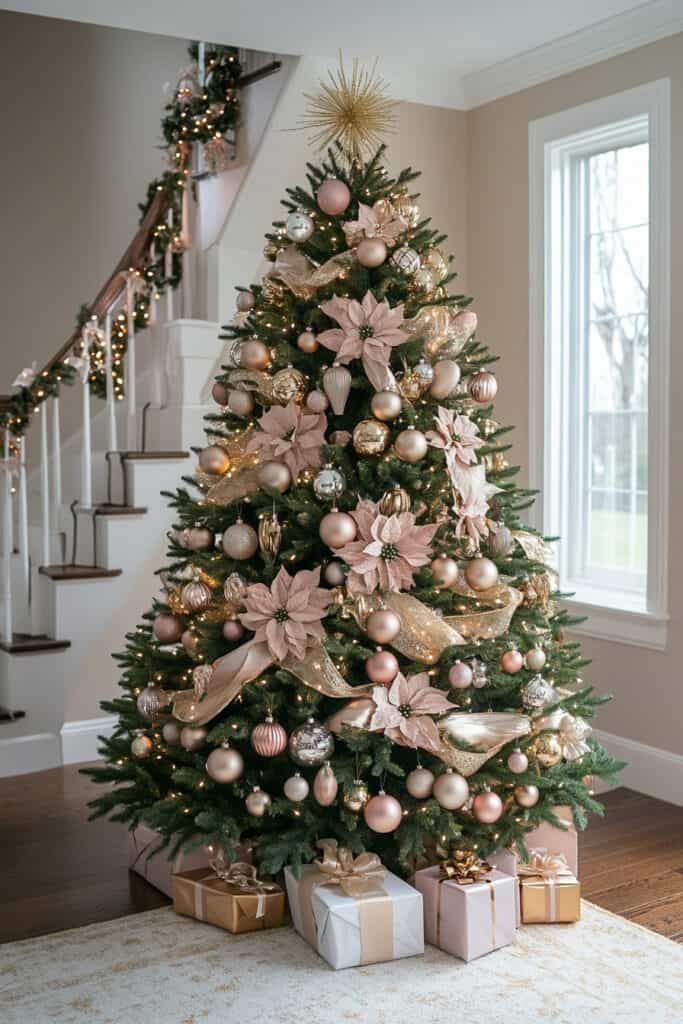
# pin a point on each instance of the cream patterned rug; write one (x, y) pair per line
(158, 968)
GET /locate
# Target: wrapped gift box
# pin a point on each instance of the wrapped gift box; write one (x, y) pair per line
(238, 906)
(557, 840)
(550, 893)
(507, 861)
(385, 922)
(158, 868)
(468, 919)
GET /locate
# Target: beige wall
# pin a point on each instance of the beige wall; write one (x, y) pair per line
(80, 112)
(648, 704)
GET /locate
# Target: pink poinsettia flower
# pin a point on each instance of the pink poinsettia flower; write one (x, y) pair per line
(377, 221)
(368, 331)
(457, 435)
(387, 550)
(403, 712)
(288, 613)
(291, 435)
(471, 493)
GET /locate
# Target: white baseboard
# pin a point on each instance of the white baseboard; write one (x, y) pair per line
(652, 771)
(80, 739)
(33, 753)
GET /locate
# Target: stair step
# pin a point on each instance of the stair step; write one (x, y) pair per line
(27, 643)
(10, 716)
(118, 510)
(77, 572)
(141, 456)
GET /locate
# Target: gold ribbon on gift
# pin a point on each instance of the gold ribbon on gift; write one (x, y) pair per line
(361, 879)
(244, 878)
(244, 664)
(548, 868)
(302, 277)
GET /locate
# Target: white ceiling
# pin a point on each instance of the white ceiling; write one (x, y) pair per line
(449, 51)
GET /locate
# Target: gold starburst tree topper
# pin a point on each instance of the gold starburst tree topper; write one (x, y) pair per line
(354, 111)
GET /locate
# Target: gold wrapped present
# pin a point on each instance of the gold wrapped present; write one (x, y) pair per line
(550, 893)
(231, 897)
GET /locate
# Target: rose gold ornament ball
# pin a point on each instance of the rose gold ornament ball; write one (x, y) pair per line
(316, 401)
(383, 626)
(535, 659)
(383, 813)
(269, 738)
(333, 197)
(517, 762)
(219, 393)
(224, 764)
(481, 573)
(487, 807)
(167, 629)
(307, 341)
(254, 355)
(245, 301)
(386, 405)
(325, 785)
(171, 733)
(141, 747)
(258, 802)
(371, 252)
(192, 737)
(511, 662)
(334, 574)
(445, 571)
(275, 475)
(411, 445)
(233, 630)
(446, 378)
(198, 538)
(381, 667)
(337, 529)
(189, 641)
(451, 790)
(527, 796)
(420, 783)
(214, 460)
(240, 403)
(240, 541)
(460, 675)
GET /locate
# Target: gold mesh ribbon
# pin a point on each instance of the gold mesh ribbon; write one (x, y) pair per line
(490, 622)
(360, 878)
(233, 486)
(234, 670)
(463, 867)
(302, 277)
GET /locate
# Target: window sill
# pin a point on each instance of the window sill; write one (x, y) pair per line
(638, 628)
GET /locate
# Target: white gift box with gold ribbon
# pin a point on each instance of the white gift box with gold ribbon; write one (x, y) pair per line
(376, 919)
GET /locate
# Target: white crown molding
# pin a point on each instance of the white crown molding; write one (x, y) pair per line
(609, 38)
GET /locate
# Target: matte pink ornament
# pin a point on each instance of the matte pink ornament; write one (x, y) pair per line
(189, 640)
(316, 401)
(451, 790)
(383, 813)
(517, 762)
(167, 629)
(481, 573)
(527, 796)
(445, 571)
(269, 738)
(383, 626)
(325, 785)
(233, 630)
(254, 355)
(198, 538)
(245, 301)
(333, 197)
(511, 662)
(371, 252)
(219, 393)
(307, 341)
(411, 445)
(240, 403)
(275, 475)
(460, 675)
(382, 667)
(487, 807)
(337, 529)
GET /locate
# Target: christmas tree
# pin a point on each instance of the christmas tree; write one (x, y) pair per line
(358, 637)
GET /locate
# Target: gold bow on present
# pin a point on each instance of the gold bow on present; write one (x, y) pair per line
(545, 865)
(356, 876)
(463, 867)
(242, 875)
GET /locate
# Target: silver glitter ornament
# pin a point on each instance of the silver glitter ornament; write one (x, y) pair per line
(311, 744)
(537, 692)
(406, 260)
(299, 226)
(424, 372)
(329, 484)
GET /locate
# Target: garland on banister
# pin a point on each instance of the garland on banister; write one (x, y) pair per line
(207, 113)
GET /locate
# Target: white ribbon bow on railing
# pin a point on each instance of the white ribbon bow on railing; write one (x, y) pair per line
(26, 377)
(81, 364)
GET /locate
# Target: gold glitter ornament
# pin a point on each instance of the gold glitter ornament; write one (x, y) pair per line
(546, 749)
(370, 437)
(269, 534)
(394, 502)
(354, 111)
(406, 207)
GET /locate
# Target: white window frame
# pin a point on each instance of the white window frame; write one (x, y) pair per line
(611, 615)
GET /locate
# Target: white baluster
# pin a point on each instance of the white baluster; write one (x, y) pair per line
(7, 632)
(109, 375)
(56, 458)
(168, 265)
(186, 255)
(86, 440)
(131, 397)
(156, 391)
(22, 523)
(152, 288)
(44, 487)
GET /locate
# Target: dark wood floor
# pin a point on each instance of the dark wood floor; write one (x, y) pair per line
(57, 871)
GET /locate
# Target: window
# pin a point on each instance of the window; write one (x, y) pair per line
(599, 354)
